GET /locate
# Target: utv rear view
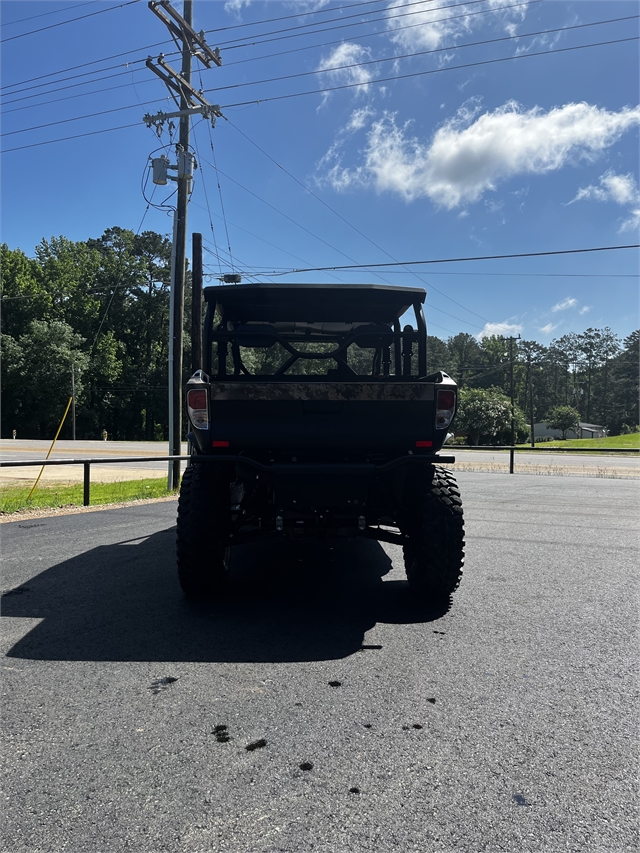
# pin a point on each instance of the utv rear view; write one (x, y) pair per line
(314, 417)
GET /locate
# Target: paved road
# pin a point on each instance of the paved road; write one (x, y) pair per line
(580, 464)
(508, 723)
(545, 462)
(34, 449)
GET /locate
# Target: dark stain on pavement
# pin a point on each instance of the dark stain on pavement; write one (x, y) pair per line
(257, 744)
(222, 734)
(162, 683)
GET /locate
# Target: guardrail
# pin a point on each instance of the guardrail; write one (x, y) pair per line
(513, 449)
(87, 463)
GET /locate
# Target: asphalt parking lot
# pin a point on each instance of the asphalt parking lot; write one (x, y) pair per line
(320, 708)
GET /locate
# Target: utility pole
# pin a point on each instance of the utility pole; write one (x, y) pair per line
(73, 401)
(184, 188)
(530, 371)
(189, 102)
(513, 412)
(513, 401)
(196, 302)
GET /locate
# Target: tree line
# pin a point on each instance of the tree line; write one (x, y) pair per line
(96, 313)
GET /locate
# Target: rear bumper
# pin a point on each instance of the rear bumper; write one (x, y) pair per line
(304, 468)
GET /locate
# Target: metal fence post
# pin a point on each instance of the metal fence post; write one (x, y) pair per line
(512, 454)
(86, 498)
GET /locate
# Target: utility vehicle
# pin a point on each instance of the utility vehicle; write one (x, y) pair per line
(314, 416)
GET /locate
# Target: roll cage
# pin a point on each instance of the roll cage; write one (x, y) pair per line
(261, 315)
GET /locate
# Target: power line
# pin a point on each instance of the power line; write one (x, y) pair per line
(350, 224)
(44, 14)
(382, 32)
(69, 21)
(475, 258)
(356, 85)
(532, 274)
(301, 15)
(324, 70)
(136, 61)
(80, 118)
(418, 53)
(424, 73)
(318, 71)
(83, 65)
(159, 44)
(230, 45)
(268, 204)
(76, 136)
(256, 237)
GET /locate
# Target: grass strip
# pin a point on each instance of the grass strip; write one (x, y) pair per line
(14, 497)
(631, 442)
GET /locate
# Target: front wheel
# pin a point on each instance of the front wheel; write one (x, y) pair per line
(434, 526)
(203, 530)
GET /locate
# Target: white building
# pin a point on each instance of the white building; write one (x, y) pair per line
(584, 431)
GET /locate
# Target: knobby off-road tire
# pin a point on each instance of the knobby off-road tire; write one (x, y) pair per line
(434, 523)
(203, 527)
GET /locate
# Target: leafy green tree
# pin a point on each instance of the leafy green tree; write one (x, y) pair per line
(484, 413)
(39, 368)
(68, 273)
(465, 356)
(563, 418)
(23, 297)
(438, 356)
(596, 346)
(624, 387)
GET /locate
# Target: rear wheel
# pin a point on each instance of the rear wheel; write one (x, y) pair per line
(434, 524)
(203, 530)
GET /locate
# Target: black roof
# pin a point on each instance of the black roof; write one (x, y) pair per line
(313, 303)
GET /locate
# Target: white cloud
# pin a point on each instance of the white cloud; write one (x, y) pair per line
(632, 223)
(298, 5)
(236, 5)
(336, 65)
(585, 309)
(426, 25)
(539, 43)
(505, 329)
(621, 189)
(470, 153)
(569, 302)
(359, 118)
(550, 327)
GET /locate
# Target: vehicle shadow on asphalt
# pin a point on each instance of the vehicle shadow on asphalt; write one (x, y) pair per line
(287, 602)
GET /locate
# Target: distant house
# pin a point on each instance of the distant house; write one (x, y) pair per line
(584, 431)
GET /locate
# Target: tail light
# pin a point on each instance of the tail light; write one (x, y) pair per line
(445, 408)
(198, 408)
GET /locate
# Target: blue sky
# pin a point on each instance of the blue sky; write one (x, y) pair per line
(435, 150)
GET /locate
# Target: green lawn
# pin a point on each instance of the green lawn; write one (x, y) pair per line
(626, 441)
(14, 498)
